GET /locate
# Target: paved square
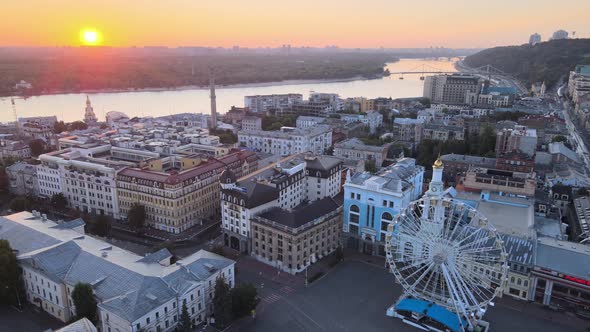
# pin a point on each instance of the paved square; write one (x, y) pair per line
(354, 297)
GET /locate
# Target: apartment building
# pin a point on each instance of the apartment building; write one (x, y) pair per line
(579, 82)
(177, 200)
(23, 179)
(133, 293)
(264, 103)
(442, 132)
(519, 139)
(286, 185)
(450, 89)
(287, 140)
(407, 129)
(355, 149)
(304, 122)
(292, 240)
(14, 149)
(505, 182)
(251, 123)
(372, 119)
(85, 176)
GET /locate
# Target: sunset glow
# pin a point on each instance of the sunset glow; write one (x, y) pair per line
(262, 23)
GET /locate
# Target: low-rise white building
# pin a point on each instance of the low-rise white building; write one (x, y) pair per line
(133, 293)
(287, 140)
(372, 119)
(23, 179)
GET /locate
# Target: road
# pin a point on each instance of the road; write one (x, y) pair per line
(574, 131)
(497, 80)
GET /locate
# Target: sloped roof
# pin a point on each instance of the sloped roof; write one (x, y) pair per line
(302, 214)
(156, 257)
(70, 224)
(23, 238)
(151, 293)
(81, 325)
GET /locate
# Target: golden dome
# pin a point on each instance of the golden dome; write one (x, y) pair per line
(438, 163)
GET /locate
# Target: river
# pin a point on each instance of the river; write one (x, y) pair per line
(70, 107)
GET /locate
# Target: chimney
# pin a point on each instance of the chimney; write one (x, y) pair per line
(213, 99)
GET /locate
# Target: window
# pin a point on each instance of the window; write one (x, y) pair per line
(354, 214)
(147, 321)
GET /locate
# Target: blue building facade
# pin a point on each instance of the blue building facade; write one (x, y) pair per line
(372, 200)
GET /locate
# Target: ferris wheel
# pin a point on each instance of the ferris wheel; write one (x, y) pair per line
(444, 252)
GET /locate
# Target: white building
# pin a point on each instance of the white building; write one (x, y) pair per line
(355, 149)
(560, 34)
(372, 119)
(23, 179)
(304, 122)
(263, 103)
(14, 149)
(87, 181)
(288, 140)
(133, 293)
(251, 123)
(579, 83)
(534, 39)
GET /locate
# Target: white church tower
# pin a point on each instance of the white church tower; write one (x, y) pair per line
(436, 186)
(89, 116)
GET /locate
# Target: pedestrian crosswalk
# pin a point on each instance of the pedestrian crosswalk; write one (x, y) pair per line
(287, 290)
(271, 298)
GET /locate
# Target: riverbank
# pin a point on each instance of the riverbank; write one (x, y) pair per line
(195, 99)
(220, 86)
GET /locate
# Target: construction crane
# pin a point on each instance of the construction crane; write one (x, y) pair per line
(14, 114)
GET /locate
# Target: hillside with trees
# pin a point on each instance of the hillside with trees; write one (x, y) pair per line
(547, 61)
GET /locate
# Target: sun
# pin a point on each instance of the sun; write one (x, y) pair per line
(90, 37)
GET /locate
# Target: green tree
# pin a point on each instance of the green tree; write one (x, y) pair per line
(225, 136)
(4, 182)
(59, 201)
(21, 203)
(100, 225)
(243, 300)
(10, 275)
(37, 147)
(222, 303)
(184, 325)
(77, 125)
(9, 161)
(339, 254)
(84, 301)
(136, 216)
(370, 166)
(59, 127)
(487, 141)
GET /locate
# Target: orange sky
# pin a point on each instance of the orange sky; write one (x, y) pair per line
(252, 23)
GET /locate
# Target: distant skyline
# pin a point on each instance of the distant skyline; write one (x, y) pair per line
(268, 23)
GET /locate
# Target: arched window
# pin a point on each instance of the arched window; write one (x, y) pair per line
(386, 219)
(354, 212)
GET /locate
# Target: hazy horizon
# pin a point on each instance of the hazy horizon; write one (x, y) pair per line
(265, 23)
